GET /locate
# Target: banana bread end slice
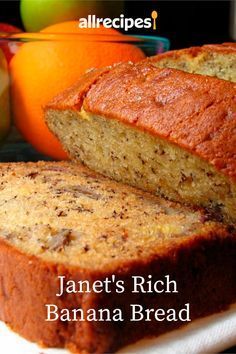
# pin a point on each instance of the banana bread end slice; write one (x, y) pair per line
(162, 130)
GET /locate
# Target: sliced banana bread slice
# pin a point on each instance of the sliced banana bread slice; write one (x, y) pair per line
(163, 130)
(213, 59)
(59, 219)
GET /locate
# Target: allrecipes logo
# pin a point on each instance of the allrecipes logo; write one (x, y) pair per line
(121, 22)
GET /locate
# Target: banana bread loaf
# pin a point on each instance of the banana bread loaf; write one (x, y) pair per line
(162, 130)
(59, 219)
(213, 59)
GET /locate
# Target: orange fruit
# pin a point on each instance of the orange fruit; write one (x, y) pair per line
(42, 69)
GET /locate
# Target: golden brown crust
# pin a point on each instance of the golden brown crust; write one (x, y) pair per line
(23, 295)
(75, 94)
(203, 281)
(227, 47)
(201, 260)
(193, 111)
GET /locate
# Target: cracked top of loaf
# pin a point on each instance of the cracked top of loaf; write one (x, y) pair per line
(196, 112)
(65, 213)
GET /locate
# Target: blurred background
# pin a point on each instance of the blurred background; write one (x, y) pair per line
(185, 23)
(33, 72)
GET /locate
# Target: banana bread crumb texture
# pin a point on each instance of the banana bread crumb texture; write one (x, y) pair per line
(163, 130)
(213, 59)
(51, 209)
(63, 219)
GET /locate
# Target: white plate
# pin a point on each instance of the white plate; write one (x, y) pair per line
(209, 335)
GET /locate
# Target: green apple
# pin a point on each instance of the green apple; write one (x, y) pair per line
(38, 14)
(4, 97)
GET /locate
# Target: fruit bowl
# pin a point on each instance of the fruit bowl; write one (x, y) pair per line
(151, 45)
(47, 63)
